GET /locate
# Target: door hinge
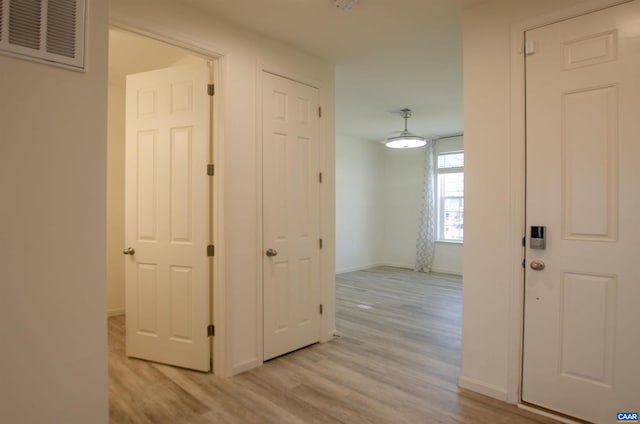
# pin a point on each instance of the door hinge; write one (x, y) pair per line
(320, 243)
(524, 241)
(320, 177)
(210, 169)
(319, 111)
(211, 89)
(211, 330)
(523, 263)
(321, 309)
(211, 250)
(529, 47)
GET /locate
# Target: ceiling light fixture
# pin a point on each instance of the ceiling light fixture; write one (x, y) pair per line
(405, 140)
(345, 4)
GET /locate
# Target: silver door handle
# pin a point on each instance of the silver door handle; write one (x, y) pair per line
(537, 265)
(272, 252)
(129, 251)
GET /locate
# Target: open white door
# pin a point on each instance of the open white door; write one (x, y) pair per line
(167, 216)
(581, 332)
(291, 215)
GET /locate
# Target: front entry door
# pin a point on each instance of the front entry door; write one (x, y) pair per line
(167, 216)
(582, 320)
(291, 218)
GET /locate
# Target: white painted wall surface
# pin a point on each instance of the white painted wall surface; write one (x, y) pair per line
(240, 252)
(488, 246)
(359, 204)
(115, 199)
(402, 202)
(53, 344)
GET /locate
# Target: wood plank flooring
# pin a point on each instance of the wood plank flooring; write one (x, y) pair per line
(396, 360)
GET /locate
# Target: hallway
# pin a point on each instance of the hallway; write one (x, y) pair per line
(396, 360)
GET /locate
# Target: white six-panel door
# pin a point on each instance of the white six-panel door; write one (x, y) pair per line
(291, 220)
(167, 216)
(582, 320)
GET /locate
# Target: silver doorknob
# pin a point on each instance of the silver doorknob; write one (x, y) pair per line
(129, 251)
(272, 252)
(537, 265)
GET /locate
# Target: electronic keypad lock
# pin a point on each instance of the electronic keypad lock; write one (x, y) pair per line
(538, 238)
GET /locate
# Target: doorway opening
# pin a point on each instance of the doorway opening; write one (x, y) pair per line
(131, 53)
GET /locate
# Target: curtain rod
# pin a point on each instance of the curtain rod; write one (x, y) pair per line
(448, 136)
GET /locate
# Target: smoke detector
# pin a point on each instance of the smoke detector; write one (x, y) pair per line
(345, 4)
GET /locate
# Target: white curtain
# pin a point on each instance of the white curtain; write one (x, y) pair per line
(425, 245)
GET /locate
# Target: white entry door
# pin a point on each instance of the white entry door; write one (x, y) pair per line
(582, 320)
(167, 216)
(291, 218)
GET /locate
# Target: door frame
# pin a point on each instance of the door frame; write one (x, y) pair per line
(327, 291)
(219, 60)
(517, 189)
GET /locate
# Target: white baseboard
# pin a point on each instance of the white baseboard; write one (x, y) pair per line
(115, 311)
(395, 265)
(483, 388)
(356, 268)
(403, 266)
(446, 271)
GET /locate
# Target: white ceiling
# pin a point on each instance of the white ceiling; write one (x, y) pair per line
(389, 54)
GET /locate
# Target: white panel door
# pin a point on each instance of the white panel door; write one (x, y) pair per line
(167, 216)
(582, 320)
(291, 218)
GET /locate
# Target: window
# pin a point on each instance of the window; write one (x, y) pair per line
(450, 195)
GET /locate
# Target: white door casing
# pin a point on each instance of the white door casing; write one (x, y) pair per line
(167, 216)
(581, 344)
(291, 215)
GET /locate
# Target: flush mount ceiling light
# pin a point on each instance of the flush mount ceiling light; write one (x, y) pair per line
(405, 140)
(345, 4)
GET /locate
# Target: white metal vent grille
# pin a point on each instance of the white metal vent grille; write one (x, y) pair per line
(50, 31)
(24, 23)
(61, 27)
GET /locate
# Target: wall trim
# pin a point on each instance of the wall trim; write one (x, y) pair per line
(396, 265)
(446, 271)
(357, 268)
(482, 388)
(392, 265)
(517, 186)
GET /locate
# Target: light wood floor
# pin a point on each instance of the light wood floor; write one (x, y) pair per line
(396, 360)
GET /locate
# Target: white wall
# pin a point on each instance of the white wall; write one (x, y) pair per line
(115, 199)
(488, 240)
(404, 175)
(378, 200)
(359, 204)
(53, 345)
(238, 344)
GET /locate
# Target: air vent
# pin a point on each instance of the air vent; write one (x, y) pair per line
(50, 31)
(61, 27)
(25, 23)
